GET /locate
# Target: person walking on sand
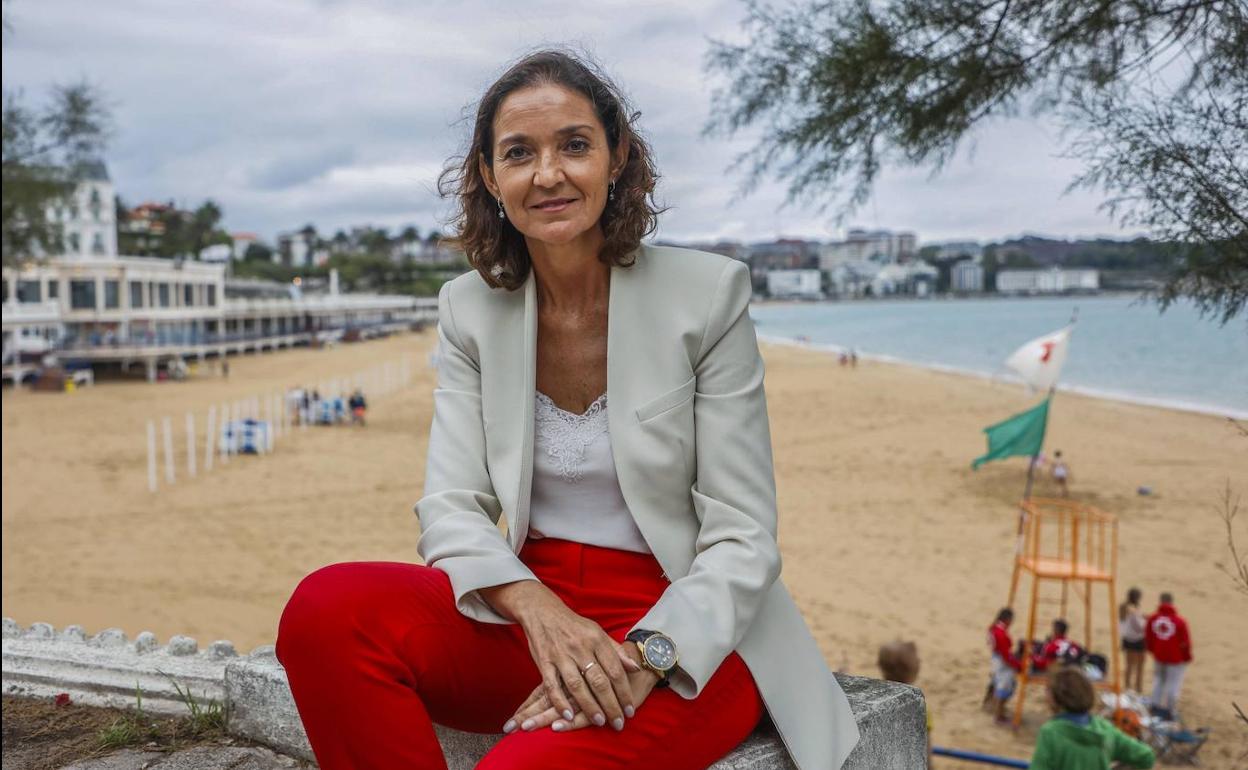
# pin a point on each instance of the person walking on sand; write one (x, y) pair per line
(1131, 630)
(1166, 636)
(1074, 739)
(1061, 473)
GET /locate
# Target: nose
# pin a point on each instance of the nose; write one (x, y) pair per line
(549, 171)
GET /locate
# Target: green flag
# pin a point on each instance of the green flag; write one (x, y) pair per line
(1022, 434)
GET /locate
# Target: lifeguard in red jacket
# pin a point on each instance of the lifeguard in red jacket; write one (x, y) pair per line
(1005, 664)
(1058, 648)
(1167, 639)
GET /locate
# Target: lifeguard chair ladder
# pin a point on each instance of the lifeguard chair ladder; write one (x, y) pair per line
(1068, 542)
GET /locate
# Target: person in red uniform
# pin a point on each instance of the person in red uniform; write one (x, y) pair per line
(1057, 648)
(1005, 664)
(1167, 639)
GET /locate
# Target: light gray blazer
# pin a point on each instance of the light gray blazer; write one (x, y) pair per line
(688, 426)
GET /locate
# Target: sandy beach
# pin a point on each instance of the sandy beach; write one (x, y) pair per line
(885, 530)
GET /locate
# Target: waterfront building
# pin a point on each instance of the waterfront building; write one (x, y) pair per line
(795, 284)
(95, 308)
(966, 277)
(1054, 280)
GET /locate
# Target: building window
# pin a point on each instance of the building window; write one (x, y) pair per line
(29, 291)
(212, 295)
(82, 295)
(112, 294)
(136, 294)
(163, 290)
(75, 246)
(54, 289)
(188, 295)
(97, 244)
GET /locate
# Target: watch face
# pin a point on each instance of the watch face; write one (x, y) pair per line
(660, 652)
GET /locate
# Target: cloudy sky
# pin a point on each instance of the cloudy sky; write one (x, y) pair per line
(341, 112)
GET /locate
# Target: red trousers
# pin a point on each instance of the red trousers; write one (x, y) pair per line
(377, 651)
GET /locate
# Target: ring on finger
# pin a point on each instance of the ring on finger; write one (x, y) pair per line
(585, 669)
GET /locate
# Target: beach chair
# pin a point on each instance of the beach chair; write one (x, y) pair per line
(1174, 743)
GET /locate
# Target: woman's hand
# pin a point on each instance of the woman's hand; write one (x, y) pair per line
(574, 655)
(536, 712)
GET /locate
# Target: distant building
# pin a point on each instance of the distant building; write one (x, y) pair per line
(1049, 281)
(217, 252)
(295, 249)
(966, 277)
(241, 242)
(88, 218)
(795, 284)
(915, 278)
(881, 246)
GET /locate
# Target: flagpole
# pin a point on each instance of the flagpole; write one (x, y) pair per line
(1031, 475)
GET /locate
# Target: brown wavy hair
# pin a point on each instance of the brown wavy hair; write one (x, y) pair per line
(493, 245)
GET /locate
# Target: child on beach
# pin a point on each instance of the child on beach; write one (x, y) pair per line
(1005, 665)
(899, 662)
(1077, 740)
(1061, 473)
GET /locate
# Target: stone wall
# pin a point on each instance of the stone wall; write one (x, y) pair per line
(105, 669)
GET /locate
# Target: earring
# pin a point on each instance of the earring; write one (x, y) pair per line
(501, 215)
(611, 190)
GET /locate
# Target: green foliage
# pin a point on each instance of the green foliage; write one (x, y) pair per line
(129, 729)
(44, 152)
(204, 717)
(1151, 95)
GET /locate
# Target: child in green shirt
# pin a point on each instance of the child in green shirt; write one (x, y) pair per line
(1076, 740)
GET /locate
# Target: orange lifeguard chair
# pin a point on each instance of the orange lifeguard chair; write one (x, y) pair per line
(1067, 542)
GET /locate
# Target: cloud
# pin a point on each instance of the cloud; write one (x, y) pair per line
(340, 113)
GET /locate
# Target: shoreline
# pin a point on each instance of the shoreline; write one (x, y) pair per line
(1081, 390)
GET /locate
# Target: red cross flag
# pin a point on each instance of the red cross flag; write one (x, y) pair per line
(1040, 361)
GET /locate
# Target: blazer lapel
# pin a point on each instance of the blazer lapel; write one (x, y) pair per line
(527, 393)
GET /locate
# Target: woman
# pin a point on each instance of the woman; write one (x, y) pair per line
(632, 615)
(1131, 631)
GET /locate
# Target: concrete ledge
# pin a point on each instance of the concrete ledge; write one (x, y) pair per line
(104, 670)
(891, 718)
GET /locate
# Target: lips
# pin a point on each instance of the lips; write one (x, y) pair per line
(554, 204)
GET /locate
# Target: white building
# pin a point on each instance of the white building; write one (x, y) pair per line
(241, 242)
(99, 308)
(966, 277)
(88, 218)
(1053, 280)
(795, 284)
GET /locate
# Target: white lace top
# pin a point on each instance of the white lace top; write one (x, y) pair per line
(576, 494)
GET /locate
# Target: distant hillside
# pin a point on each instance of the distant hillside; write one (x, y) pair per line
(1139, 255)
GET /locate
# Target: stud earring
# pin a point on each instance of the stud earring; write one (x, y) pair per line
(501, 215)
(611, 190)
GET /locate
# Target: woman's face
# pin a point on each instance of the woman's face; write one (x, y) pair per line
(550, 146)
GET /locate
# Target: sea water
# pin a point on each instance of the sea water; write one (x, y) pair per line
(1122, 346)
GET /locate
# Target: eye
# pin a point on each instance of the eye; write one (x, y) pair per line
(577, 144)
(508, 154)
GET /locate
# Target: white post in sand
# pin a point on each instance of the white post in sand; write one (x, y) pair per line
(167, 424)
(267, 444)
(190, 445)
(209, 436)
(151, 456)
(225, 419)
